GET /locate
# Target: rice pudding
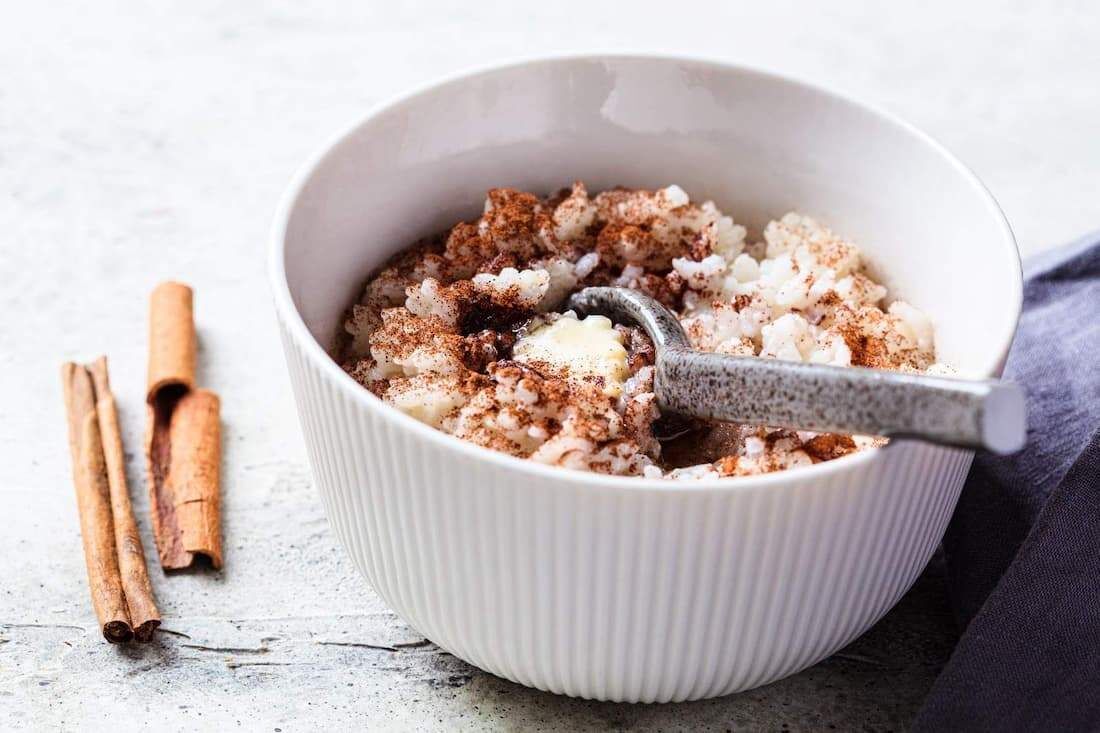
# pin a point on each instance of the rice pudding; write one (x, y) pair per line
(466, 333)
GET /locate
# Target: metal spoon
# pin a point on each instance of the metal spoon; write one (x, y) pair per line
(986, 414)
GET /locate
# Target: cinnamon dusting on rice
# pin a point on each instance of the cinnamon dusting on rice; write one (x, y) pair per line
(434, 330)
(827, 446)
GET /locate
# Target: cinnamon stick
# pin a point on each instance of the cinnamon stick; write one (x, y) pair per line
(93, 496)
(144, 616)
(182, 438)
(171, 339)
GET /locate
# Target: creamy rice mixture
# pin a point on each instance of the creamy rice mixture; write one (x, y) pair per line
(466, 332)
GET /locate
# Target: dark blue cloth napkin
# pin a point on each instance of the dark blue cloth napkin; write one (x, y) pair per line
(1023, 548)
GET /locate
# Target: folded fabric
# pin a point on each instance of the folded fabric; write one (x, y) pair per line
(1023, 548)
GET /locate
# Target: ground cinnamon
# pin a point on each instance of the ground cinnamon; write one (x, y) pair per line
(182, 439)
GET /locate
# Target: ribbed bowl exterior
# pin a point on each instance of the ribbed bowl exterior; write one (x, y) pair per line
(624, 594)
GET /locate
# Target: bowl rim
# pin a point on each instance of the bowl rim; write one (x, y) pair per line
(294, 324)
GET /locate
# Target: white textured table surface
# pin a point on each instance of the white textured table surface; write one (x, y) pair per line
(143, 141)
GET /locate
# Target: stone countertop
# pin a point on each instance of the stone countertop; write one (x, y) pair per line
(140, 142)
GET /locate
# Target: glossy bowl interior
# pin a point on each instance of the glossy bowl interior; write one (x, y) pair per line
(758, 145)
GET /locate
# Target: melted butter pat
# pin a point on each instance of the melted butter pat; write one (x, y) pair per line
(590, 347)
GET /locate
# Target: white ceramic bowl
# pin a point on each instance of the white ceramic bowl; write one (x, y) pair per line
(622, 588)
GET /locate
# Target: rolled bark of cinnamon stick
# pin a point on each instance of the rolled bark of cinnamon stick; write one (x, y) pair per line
(182, 438)
(171, 339)
(144, 615)
(93, 495)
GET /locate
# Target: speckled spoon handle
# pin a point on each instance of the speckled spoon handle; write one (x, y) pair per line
(974, 414)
